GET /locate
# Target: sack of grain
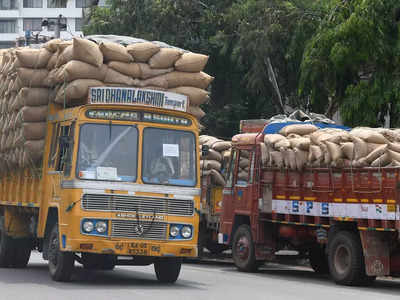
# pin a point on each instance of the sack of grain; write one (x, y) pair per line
(244, 138)
(348, 150)
(264, 154)
(65, 55)
(77, 89)
(394, 147)
(33, 113)
(360, 148)
(87, 51)
(394, 155)
(196, 111)
(128, 69)
(282, 144)
(213, 155)
(210, 164)
(382, 160)
(196, 96)
(334, 150)
(221, 146)
(33, 58)
(175, 79)
(76, 69)
(52, 45)
(51, 64)
(301, 129)
(34, 150)
(141, 52)
(165, 58)
(375, 154)
(301, 158)
(217, 177)
(114, 51)
(368, 135)
(271, 139)
(33, 77)
(315, 153)
(301, 143)
(191, 62)
(205, 138)
(244, 162)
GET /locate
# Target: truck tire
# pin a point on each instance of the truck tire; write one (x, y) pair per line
(93, 261)
(167, 270)
(22, 252)
(346, 258)
(243, 250)
(61, 264)
(6, 247)
(318, 260)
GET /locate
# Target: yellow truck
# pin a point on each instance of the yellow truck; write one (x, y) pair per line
(119, 185)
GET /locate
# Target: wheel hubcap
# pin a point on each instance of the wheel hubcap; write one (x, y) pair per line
(242, 248)
(342, 259)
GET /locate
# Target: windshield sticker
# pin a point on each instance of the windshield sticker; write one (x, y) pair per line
(171, 150)
(106, 173)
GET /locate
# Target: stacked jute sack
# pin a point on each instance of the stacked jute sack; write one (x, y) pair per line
(305, 145)
(76, 65)
(62, 72)
(24, 97)
(217, 158)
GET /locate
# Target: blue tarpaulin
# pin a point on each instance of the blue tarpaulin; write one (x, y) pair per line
(276, 127)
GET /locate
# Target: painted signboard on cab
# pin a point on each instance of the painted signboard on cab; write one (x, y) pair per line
(136, 96)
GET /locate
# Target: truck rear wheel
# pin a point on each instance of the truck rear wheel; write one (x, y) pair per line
(167, 270)
(318, 260)
(6, 247)
(243, 250)
(61, 264)
(346, 259)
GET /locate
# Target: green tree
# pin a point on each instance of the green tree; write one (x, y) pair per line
(351, 63)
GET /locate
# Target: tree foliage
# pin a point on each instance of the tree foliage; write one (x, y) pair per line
(327, 55)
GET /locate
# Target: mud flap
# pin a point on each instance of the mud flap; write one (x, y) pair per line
(376, 253)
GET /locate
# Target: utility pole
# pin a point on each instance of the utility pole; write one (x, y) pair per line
(57, 27)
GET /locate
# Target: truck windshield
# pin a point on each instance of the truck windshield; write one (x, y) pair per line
(107, 152)
(169, 157)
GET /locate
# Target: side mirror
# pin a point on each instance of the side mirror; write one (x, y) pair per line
(205, 150)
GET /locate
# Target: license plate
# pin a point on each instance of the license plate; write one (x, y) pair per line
(138, 248)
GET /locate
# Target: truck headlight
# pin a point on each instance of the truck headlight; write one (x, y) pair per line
(101, 226)
(186, 231)
(88, 226)
(174, 230)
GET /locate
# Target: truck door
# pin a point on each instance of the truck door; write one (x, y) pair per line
(243, 181)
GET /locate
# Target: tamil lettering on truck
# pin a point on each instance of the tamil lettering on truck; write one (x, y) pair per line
(119, 185)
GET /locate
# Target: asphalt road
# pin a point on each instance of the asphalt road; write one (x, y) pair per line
(198, 281)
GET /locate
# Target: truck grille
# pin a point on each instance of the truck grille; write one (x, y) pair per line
(129, 229)
(108, 202)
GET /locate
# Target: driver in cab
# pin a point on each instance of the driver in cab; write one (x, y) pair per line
(161, 167)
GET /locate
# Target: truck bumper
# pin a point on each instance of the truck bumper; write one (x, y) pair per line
(132, 247)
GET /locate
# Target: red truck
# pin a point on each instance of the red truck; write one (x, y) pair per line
(346, 220)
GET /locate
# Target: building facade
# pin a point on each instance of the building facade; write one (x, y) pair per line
(20, 18)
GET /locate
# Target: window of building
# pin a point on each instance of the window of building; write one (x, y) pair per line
(8, 4)
(78, 24)
(53, 21)
(56, 3)
(84, 3)
(8, 26)
(33, 3)
(33, 24)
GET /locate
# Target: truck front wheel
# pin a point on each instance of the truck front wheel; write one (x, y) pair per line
(61, 264)
(346, 259)
(243, 250)
(167, 270)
